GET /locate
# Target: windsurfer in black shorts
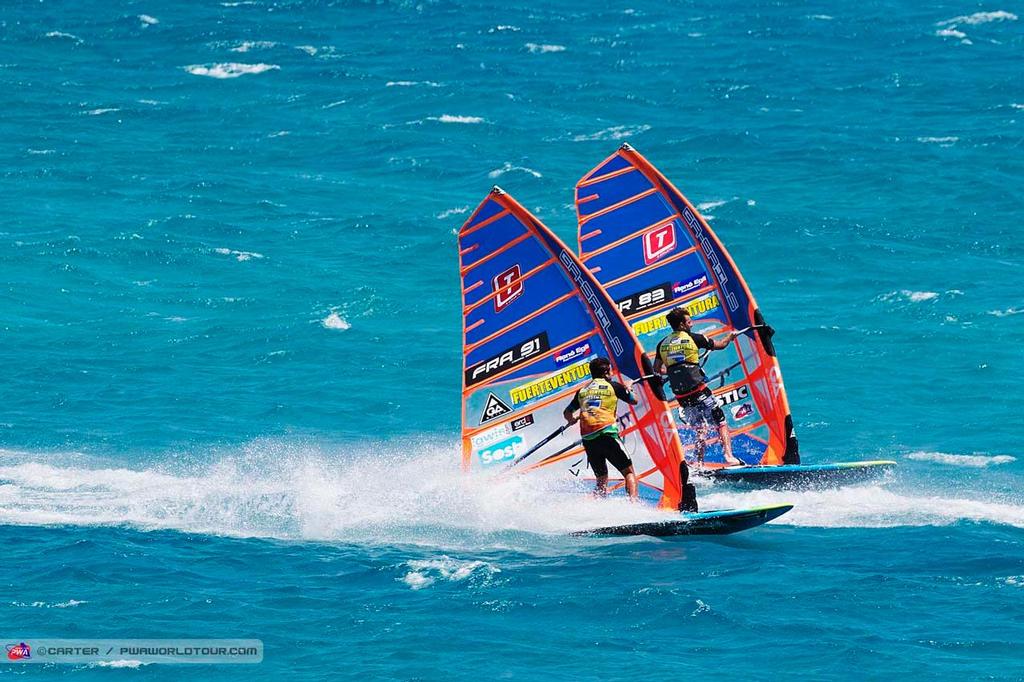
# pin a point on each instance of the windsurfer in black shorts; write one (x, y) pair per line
(678, 355)
(597, 403)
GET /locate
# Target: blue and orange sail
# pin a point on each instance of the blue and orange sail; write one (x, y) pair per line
(653, 251)
(533, 318)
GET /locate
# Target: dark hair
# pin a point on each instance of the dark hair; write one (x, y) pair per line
(600, 368)
(676, 316)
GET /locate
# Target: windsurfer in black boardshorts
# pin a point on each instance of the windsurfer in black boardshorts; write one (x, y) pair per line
(678, 355)
(597, 403)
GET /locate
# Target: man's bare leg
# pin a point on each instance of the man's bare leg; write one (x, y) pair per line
(631, 487)
(723, 433)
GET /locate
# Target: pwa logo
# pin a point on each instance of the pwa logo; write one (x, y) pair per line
(501, 452)
(19, 652)
(509, 285)
(659, 242)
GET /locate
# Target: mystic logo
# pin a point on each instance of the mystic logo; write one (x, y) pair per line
(742, 411)
(523, 422)
(570, 354)
(500, 452)
(19, 652)
(510, 357)
(730, 397)
(680, 288)
(493, 409)
(509, 286)
(659, 242)
(642, 300)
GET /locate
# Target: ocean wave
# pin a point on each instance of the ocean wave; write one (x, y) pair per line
(425, 572)
(508, 167)
(1007, 312)
(148, 20)
(228, 69)
(448, 213)
(99, 112)
(335, 321)
(544, 49)
(947, 141)
(240, 256)
(449, 118)
(612, 133)
(248, 45)
(501, 28)
(909, 295)
(953, 33)
(69, 604)
(67, 36)
(976, 461)
(979, 18)
(409, 84)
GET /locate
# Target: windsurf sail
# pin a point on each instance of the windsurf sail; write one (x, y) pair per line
(533, 319)
(653, 251)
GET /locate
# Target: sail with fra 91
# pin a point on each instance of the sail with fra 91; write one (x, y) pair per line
(533, 319)
(653, 251)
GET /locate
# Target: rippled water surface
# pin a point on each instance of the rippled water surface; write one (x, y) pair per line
(230, 332)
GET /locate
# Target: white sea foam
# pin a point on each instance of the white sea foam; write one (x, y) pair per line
(979, 18)
(240, 256)
(501, 28)
(331, 105)
(544, 49)
(98, 112)
(976, 461)
(449, 118)
(42, 151)
(947, 141)
(1017, 106)
(954, 33)
(508, 167)
(1007, 312)
(148, 20)
(66, 36)
(335, 321)
(228, 69)
(402, 492)
(909, 295)
(69, 604)
(119, 663)
(248, 45)
(613, 133)
(448, 213)
(424, 573)
(821, 17)
(711, 205)
(409, 84)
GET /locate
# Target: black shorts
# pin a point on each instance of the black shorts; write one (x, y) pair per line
(604, 449)
(700, 410)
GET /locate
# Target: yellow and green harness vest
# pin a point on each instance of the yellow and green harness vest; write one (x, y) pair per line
(681, 356)
(598, 404)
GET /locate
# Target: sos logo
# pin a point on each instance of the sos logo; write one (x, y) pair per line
(501, 452)
(509, 286)
(659, 242)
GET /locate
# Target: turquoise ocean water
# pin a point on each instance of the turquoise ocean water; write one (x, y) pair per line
(230, 332)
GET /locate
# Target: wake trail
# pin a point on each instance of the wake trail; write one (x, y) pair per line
(409, 492)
